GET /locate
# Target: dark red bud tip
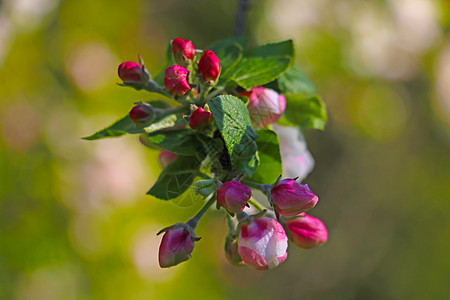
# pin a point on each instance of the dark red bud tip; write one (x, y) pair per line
(176, 80)
(183, 51)
(209, 67)
(130, 71)
(140, 112)
(200, 118)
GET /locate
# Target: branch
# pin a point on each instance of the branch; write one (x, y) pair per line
(239, 23)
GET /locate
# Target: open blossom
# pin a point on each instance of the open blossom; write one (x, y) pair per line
(233, 196)
(182, 51)
(265, 106)
(306, 231)
(176, 80)
(291, 198)
(176, 246)
(130, 71)
(297, 160)
(262, 243)
(200, 118)
(209, 66)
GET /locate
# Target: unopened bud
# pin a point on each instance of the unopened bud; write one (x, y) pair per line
(306, 231)
(200, 118)
(209, 67)
(233, 196)
(130, 71)
(141, 113)
(182, 51)
(291, 198)
(176, 246)
(262, 243)
(265, 106)
(176, 80)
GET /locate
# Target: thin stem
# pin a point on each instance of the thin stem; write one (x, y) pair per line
(175, 110)
(262, 187)
(194, 220)
(215, 93)
(256, 204)
(239, 23)
(230, 223)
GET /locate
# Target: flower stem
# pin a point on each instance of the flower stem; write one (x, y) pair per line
(262, 187)
(194, 220)
(256, 204)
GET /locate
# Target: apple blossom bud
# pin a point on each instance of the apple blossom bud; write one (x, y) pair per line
(200, 118)
(231, 251)
(262, 243)
(176, 80)
(141, 113)
(182, 51)
(264, 105)
(306, 231)
(209, 67)
(233, 196)
(166, 157)
(130, 72)
(176, 246)
(291, 198)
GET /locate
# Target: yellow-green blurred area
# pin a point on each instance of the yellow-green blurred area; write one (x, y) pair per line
(75, 222)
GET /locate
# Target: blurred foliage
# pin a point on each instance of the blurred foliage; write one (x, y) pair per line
(74, 220)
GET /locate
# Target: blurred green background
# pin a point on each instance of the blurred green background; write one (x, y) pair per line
(74, 220)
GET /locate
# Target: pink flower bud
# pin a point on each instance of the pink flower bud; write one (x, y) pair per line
(291, 198)
(130, 71)
(233, 196)
(166, 157)
(176, 246)
(262, 243)
(200, 118)
(182, 51)
(306, 231)
(264, 105)
(176, 80)
(141, 113)
(209, 67)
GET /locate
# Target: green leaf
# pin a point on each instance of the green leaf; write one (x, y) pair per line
(283, 49)
(257, 71)
(180, 141)
(306, 111)
(269, 167)
(263, 64)
(233, 121)
(125, 125)
(240, 40)
(119, 128)
(294, 81)
(176, 178)
(228, 58)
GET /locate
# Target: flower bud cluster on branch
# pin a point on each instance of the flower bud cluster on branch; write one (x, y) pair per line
(238, 120)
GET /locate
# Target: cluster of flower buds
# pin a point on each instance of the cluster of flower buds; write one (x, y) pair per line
(260, 240)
